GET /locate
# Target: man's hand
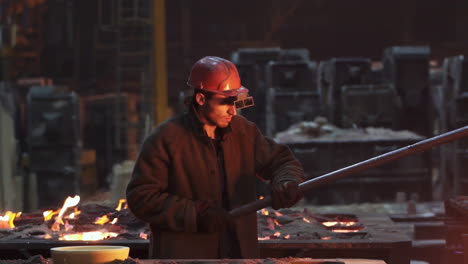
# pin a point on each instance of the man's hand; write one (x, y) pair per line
(285, 195)
(212, 219)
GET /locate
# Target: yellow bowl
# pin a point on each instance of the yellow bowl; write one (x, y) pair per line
(88, 254)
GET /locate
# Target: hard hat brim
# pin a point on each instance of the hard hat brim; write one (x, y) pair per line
(233, 92)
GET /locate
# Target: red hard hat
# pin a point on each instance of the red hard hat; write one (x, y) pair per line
(216, 75)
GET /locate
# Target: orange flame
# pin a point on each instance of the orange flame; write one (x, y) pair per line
(339, 223)
(101, 220)
(89, 236)
(49, 214)
(287, 236)
(121, 202)
(6, 221)
(264, 212)
(277, 223)
(143, 235)
(277, 234)
(69, 202)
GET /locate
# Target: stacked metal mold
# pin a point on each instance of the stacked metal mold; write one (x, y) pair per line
(54, 142)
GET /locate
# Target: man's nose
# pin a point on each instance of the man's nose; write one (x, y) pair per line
(232, 110)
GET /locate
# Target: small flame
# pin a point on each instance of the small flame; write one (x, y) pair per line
(47, 236)
(277, 234)
(264, 212)
(264, 238)
(69, 202)
(49, 214)
(277, 223)
(6, 221)
(261, 198)
(278, 213)
(101, 220)
(287, 236)
(121, 202)
(306, 220)
(89, 236)
(114, 220)
(143, 235)
(339, 223)
(325, 238)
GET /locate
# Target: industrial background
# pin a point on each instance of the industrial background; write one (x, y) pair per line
(83, 81)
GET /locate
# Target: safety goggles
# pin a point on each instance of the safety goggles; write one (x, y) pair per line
(244, 102)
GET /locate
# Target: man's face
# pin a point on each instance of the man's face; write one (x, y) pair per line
(217, 110)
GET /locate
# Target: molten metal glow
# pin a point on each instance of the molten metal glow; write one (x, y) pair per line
(345, 230)
(89, 236)
(339, 223)
(277, 234)
(264, 212)
(325, 238)
(306, 220)
(287, 236)
(101, 220)
(143, 235)
(114, 220)
(121, 202)
(6, 221)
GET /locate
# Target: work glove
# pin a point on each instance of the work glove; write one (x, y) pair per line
(212, 218)
(285, 194)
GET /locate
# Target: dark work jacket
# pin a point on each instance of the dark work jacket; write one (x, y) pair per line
(177, 167)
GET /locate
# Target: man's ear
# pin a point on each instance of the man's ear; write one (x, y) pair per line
(200, 98)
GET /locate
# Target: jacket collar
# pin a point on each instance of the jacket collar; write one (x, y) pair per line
(196, 125)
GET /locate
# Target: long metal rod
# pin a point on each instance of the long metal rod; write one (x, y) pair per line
(306, 186)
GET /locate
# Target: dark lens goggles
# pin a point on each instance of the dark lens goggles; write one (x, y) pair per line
(243, 103)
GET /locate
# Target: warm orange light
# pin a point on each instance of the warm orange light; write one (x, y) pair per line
(345, 230)
(329, 223)
(101, 220)
(121, 202)
(261, 197)
(264, 238)
(89, 236)
(143, 235)
(278, 213)
(325, 238)
(264, 212)
(276, 222)
(287, 236)
(306, 220)
(114, 220)
(6, 221)
(49, 214)
(69, 202)
(277, 234)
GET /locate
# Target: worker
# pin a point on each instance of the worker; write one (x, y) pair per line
(196, 167)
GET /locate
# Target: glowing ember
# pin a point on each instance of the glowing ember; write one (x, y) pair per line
(6, 221)
(287, 236)
(264, 238)
(345, 230)
(277, 234)
(143, 235)
(69, 202)
(101, 220)
(325, 238)
(261, 197)
(121, 202)
(114, 220)
(276, 222)
(278, 213)
(306, 220)
(339, 223)
(88, 236)
(264, 212)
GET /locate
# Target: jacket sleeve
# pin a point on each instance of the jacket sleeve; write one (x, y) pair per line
(147, 192)
(276, 162)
